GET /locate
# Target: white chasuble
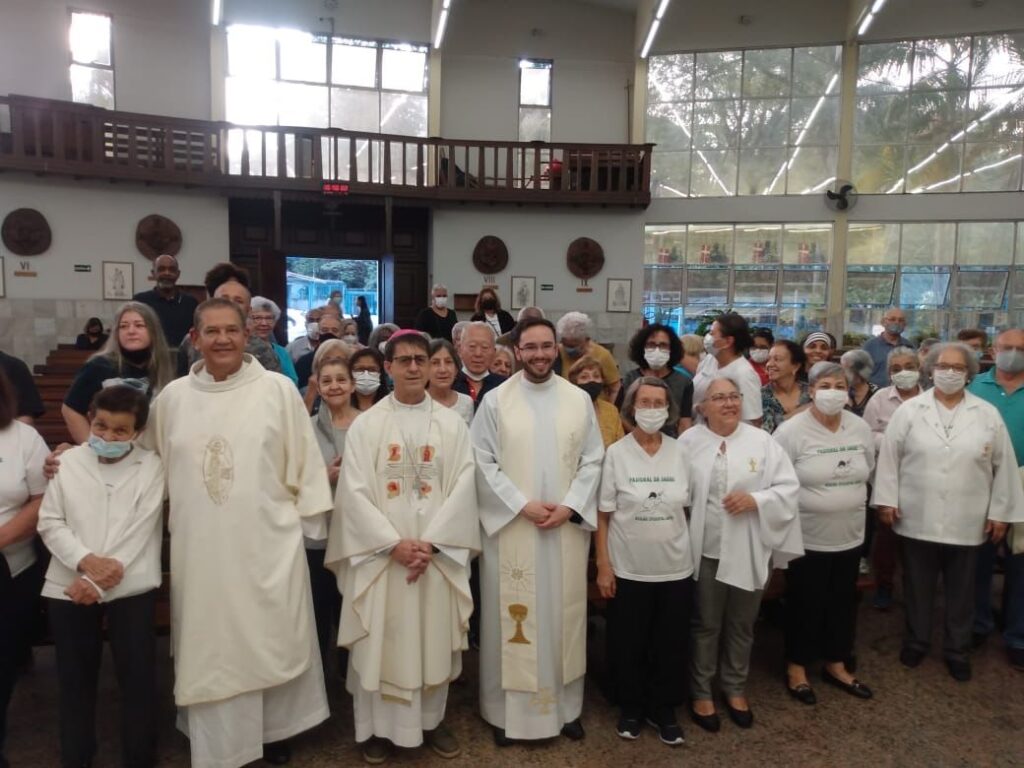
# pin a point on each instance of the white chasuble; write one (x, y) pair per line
(751, 542)
(243, 470)
(534, 442)
(407, 474)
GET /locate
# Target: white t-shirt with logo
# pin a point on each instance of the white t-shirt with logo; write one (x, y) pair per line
(648, 538)
(833, 468)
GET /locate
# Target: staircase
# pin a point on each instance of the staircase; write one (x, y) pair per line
(53, 379)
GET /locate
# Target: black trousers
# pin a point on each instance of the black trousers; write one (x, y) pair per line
(923, 561)
(648, 638)
(17, 622)
(821, 605)
(78, 636)
(326, 605)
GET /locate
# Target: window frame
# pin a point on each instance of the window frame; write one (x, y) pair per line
(71, 11)
(546, 64)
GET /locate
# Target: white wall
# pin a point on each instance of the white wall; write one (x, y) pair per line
(537, 240)
(402, 20)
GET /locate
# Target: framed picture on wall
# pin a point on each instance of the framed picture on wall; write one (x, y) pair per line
(3, 289)
(118, 280)
(523, 291)
(620, 295)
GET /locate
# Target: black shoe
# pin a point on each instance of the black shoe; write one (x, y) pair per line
(978, 639)
(959, 670)
(856, 688)
(277, 753)
(629, 727)
(744, 718)
(1016, 658)
(911, 657)
(711, 723)
(500, 739)
(668, 728)
(574, 730)
(803, 693)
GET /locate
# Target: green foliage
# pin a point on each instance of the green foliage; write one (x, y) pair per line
(357, 274)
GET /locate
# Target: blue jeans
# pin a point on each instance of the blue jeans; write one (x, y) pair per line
(1013, 597)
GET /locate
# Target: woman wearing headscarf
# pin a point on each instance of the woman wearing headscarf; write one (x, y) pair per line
(743, 519)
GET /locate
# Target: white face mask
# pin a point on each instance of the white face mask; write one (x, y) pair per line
(382, 346)
(367, 382)
(313, 330)
(709, 344)
(906, 379)
(440, 302)
(656, 358)
(759, 356)
(830, 401)
(949, 382)
(650, 420)
(350, 338)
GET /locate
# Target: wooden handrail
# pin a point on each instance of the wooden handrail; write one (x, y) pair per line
(60, 137)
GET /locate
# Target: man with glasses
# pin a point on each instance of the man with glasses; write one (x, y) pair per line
(477, 349)
(1003, 386)
(538, 453)
(403, 535)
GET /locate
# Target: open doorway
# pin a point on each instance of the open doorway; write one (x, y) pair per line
(310, 282)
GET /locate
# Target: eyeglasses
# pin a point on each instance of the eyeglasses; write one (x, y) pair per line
(721, 397)
(951, 367)
(664, 346)
(547, 346)
(420, 360)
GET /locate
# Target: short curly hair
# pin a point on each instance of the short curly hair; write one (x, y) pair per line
(223, 273)
(639, 341)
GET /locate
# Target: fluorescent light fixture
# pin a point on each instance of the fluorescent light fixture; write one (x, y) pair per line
(216, 12)
(655, 23)
(441, 24)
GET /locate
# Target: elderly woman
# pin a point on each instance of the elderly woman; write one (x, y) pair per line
(946, 480)
(586, 374)
(786, 393)
(380, 335)
(644, 564)
(762, 340)
(444, 367)
(504, 363)
(574, 329)
(436, 320)
(21, 491)
(905, 375)
(135, 350)
(263, 316)
(726, 344)
(818, 347)
(367, 367)
(655, 350)
(743, 518)
(488, 309)
(350, 331)
(833, 453)
(858, 366)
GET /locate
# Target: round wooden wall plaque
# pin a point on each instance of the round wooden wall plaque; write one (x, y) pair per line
(26, 232)
(490, 256)
(156, 235)
(585, 258)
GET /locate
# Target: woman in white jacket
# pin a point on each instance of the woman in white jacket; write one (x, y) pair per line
(946, 480)
(101, 519)
(743, 520)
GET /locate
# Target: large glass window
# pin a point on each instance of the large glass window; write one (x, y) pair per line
(940, 115)
(761, 122)
(92, 59)
(946, 275)
(775, 274)
(534, 100)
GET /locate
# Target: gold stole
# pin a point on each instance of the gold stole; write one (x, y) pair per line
(517, 541)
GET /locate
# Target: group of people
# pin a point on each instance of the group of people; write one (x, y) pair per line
(430, 489)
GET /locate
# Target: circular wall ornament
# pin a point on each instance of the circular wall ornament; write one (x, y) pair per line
(156, 235)
(585, 258)
(490, 256)
(26, 232)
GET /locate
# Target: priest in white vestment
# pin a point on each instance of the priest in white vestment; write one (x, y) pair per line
(245, 480)
(404, 530)
(538, 451)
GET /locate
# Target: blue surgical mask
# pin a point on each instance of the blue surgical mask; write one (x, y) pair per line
(109, 450)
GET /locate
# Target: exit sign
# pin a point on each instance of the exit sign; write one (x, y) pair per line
(334, 188)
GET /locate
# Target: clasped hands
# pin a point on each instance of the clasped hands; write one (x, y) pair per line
(105, 572)
(414, 555)
(545, 515)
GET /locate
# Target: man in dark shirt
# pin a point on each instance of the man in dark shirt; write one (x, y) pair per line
(174, 308)
(30, 405)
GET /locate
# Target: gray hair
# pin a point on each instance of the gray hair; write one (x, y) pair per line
(899, 352)
(928, 343)
(826, 370)
(480, 324)
(375, 336)
(331, 351)
(458, 328)
(526, 312)
(970, 360)
(261, 303)
(438, 287)
(574, 325)
(501, 349)
(859, 362)
(629, 401)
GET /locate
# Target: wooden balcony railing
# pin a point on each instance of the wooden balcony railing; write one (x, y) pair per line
(46, 136)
